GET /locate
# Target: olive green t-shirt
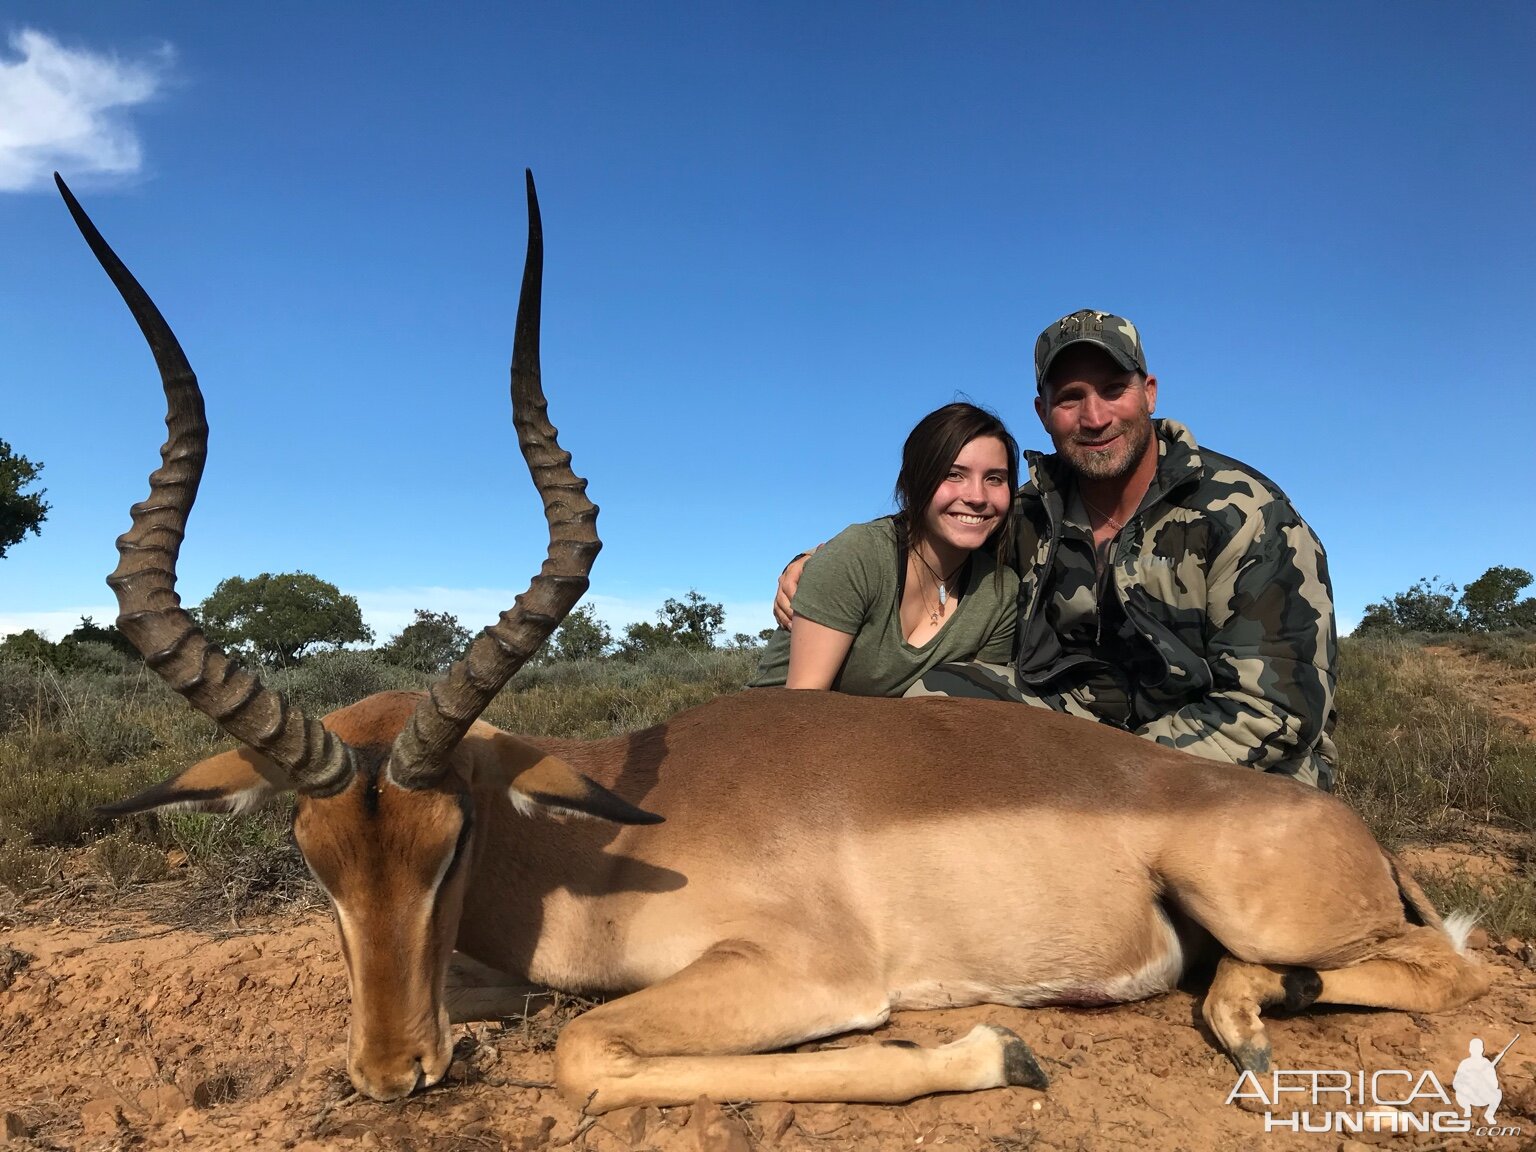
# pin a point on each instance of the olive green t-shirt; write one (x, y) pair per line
(850, 584)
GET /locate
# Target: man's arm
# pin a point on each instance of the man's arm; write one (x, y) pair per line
(789, 582)
(1271, 649)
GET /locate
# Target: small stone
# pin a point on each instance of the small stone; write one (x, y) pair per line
(164, 1100)
(715, 1131)
(458, 1071)
(1511, 945)
(630, 1123)
(175, 858)
(1479, 940)
(101, 1117)
(13, 1127)
(538, 1138)
(775, 1117)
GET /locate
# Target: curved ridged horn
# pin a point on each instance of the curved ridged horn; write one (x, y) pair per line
(440, 721)
(151, 615)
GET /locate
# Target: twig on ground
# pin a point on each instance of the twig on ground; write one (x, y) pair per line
(581, 1129)
(512, 1082)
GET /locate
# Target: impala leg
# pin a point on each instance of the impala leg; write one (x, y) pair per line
(476, 991)
(1418, 971)
(1239, 992)
(690, 1035)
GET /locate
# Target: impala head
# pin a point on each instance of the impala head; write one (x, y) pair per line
(384, 811)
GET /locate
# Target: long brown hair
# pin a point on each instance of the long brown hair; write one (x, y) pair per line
(927, 457)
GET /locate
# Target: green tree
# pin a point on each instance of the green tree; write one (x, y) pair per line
(20, 512)
(581, 636)
(1489, 602)
(747, 640)
(429, 643)
(692, 623)
(27, 646)
(281, 617)
(693, 620)
(1429, 606)
(90, 632)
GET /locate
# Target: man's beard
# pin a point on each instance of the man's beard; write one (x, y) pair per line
(1135, 438)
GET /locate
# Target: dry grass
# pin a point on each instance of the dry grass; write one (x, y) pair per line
(120, 861)
(1516, 649)
(1418, 757)
(1504, 906)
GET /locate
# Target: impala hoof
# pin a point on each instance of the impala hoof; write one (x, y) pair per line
(1252, 1057)
(1020, 1068)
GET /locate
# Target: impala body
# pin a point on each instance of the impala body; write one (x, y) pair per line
(770, 867)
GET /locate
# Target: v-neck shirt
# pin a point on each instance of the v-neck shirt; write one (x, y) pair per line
(852, 584)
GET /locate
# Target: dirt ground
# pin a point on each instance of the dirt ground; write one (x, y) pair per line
(120, 1028)
(121, 1031)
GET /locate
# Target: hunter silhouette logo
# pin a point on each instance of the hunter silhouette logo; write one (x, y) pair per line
(1477, 1083)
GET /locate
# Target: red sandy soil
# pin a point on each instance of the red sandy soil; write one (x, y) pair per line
(121, 1031)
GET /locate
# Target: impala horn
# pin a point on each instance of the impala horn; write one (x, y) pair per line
(420, 753)
(150, 612)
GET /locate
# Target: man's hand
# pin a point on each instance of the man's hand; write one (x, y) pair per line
(789, 580)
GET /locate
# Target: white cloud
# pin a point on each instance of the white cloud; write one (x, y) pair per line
(62, 108)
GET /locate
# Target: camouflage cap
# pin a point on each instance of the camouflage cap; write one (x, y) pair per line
(1115, 334)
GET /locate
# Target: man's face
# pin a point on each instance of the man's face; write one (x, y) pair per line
(1098, 415)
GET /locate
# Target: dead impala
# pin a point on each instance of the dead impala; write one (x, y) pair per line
(825, 859)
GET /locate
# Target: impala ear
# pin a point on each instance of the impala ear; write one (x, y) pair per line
(541, 785)
(237, 781)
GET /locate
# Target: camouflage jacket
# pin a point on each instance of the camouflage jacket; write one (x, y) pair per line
(1220, 633)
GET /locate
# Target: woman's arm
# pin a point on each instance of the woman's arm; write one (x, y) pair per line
(816, 654)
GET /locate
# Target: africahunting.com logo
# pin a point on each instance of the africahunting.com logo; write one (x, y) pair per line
(1389, 1100)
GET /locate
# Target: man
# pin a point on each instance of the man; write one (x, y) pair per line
(1165, 588)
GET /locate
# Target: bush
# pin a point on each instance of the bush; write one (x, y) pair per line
(331, 680)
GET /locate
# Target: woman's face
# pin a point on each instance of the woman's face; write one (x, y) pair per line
(971, 502)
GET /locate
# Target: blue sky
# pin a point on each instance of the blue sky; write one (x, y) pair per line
(776, 236)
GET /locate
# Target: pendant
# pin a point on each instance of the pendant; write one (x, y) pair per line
(943, 596)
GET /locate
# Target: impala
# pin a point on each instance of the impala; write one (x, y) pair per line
(824, 859)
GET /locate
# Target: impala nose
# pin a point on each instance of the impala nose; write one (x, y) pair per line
(387, 1084)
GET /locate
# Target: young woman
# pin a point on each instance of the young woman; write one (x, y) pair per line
(881, 603)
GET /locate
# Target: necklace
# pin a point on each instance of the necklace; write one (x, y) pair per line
(943, 584)
(1100, 513)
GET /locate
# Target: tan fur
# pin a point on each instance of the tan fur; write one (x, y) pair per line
(826, 858)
